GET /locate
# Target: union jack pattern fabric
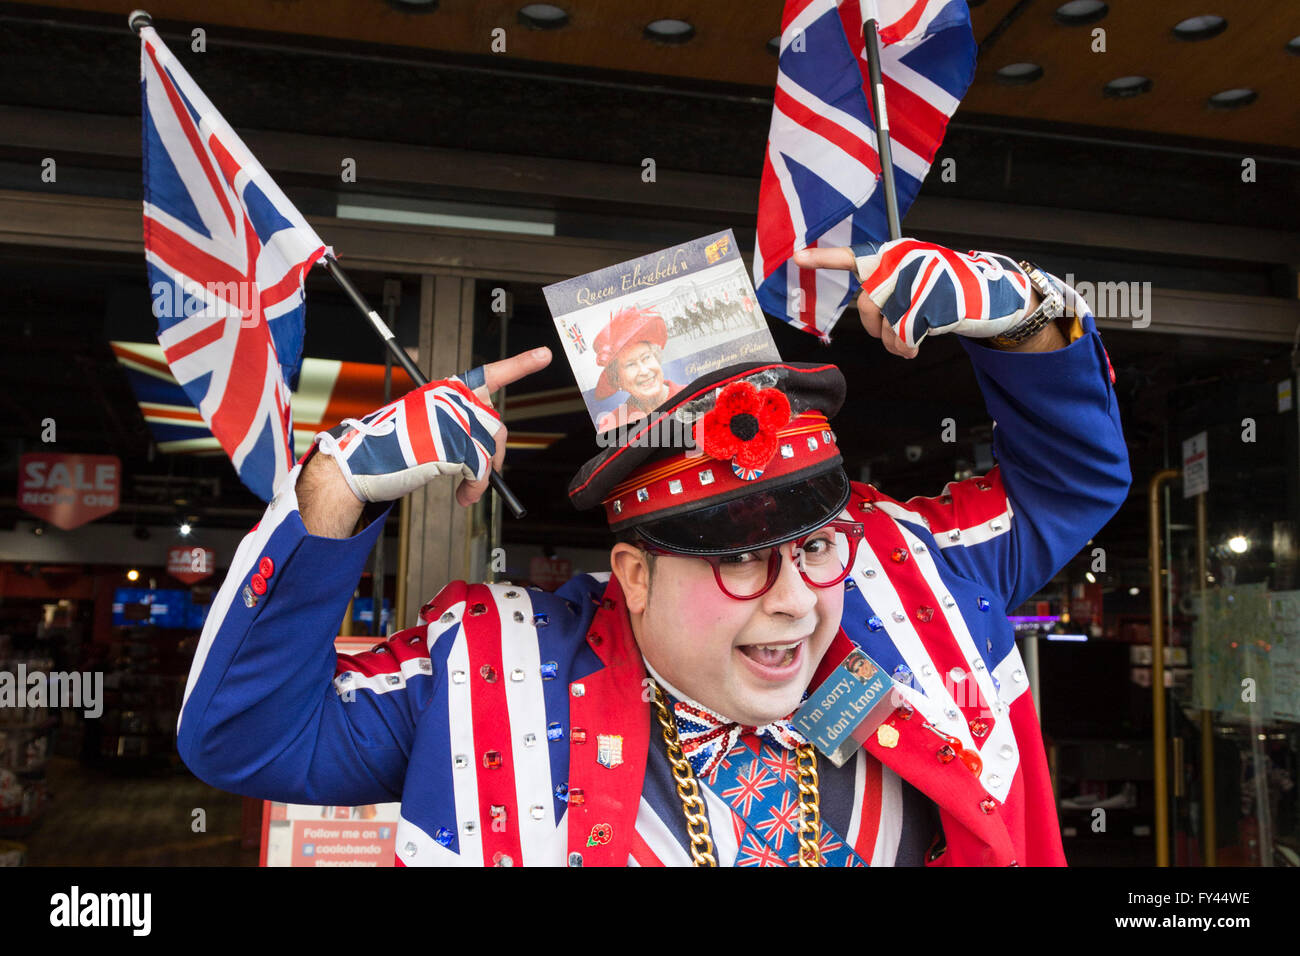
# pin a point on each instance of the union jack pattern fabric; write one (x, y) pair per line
(707, 737)
(821, 172)
(438, 428)
(227, 254)
(926, 289)
(762, 790)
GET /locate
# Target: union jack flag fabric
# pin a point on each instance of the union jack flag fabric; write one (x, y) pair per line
(708, 737)
(820, 184)
(923, 288)
(438, 428)
(227, 254)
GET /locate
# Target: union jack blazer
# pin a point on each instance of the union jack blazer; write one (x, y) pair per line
(514, 724)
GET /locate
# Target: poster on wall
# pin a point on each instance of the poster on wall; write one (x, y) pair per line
(68, 490)
(296, 834)
(191, 564)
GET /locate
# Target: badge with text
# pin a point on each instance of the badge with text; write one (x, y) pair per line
(851, 703)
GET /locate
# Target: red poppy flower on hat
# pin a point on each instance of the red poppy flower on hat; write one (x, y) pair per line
(743, 424)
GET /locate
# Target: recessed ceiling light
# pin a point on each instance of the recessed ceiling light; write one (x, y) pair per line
(414, 6)
(1078, 12)
(543, 16)
(1200, 28)
(669, 31)
(774, 46)
(1233, 99)
(1123, 86)
(1293, 45)
(1018, 74)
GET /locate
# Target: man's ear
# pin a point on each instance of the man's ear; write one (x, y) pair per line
(632, 569)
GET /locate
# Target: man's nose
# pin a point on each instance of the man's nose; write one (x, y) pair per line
(790, 593)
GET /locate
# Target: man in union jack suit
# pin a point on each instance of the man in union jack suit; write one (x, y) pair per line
(644, 716)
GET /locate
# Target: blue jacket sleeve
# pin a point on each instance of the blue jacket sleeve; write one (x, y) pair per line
(1062, 466)
(263, 714)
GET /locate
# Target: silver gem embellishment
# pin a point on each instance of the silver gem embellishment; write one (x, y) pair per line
(575, 859)
(957, 675)
(512, 594)
(516, 675)
(642, 494)
(674, 487)
(519, 617)
(458, 677)
(787, 451)
(460, 761)
(618, 506)
(927, 670)
(995, 525)
(1018, 675)
(470, 826)
(250, 599)
(537, 811)
(409, 849)
(826, 437)
(706, 476)
(994, 780)
(979, 665)
(899, 616)
(919, 549)
(954, 535)
(1006, 751)
(949, 601)
(812, 443)
(577, 690)
(951, 713)
(869, 573)
(447, 618)
(530, 739)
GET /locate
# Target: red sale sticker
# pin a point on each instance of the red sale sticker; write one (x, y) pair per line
(68, 490)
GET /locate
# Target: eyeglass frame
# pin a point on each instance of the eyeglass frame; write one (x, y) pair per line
(852, 530)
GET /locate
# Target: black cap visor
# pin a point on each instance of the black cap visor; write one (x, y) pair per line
(768, 517)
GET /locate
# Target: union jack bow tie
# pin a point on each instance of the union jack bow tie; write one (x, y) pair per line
(707, 737)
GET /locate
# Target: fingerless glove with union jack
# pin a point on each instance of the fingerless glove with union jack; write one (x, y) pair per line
(439, 428)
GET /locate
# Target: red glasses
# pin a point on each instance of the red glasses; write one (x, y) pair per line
(823, 559)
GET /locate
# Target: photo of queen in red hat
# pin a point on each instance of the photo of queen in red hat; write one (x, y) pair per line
(628, 350)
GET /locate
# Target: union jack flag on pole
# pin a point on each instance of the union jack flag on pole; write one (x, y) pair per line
(227, 254)
(821, 175)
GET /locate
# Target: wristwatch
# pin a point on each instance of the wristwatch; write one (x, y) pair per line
(1051, 308)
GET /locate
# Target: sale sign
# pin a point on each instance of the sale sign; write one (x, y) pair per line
(549, 573)
(191, 564)
(68, 490)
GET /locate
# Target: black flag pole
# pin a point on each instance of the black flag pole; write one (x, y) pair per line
(138, 20)
(870, 36)
(390, 340)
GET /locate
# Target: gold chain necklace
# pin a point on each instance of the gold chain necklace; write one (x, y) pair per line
(697, 821)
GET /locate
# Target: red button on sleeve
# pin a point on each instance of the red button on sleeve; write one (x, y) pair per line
(266, 567)
(258, 584)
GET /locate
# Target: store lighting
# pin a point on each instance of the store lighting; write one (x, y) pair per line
(1123, 87)
(133, 575)
(669, 31)
(543, 16)
(448, 215)
(1019, 74)
(1074, 638)
(1238, 544)
(1200, 28)
(1078, 12)
(1232, 99)
(185, 529)
(1092, 578)
(1134, 592)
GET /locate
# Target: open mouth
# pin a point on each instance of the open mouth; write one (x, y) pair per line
(775, 661)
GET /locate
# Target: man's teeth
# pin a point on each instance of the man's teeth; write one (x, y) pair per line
(773, 655)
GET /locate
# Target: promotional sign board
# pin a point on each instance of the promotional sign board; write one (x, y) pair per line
(191, 564)
(549, 573)
(638, 332)
(68, 490)
(1196, 465)
(298, 835)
